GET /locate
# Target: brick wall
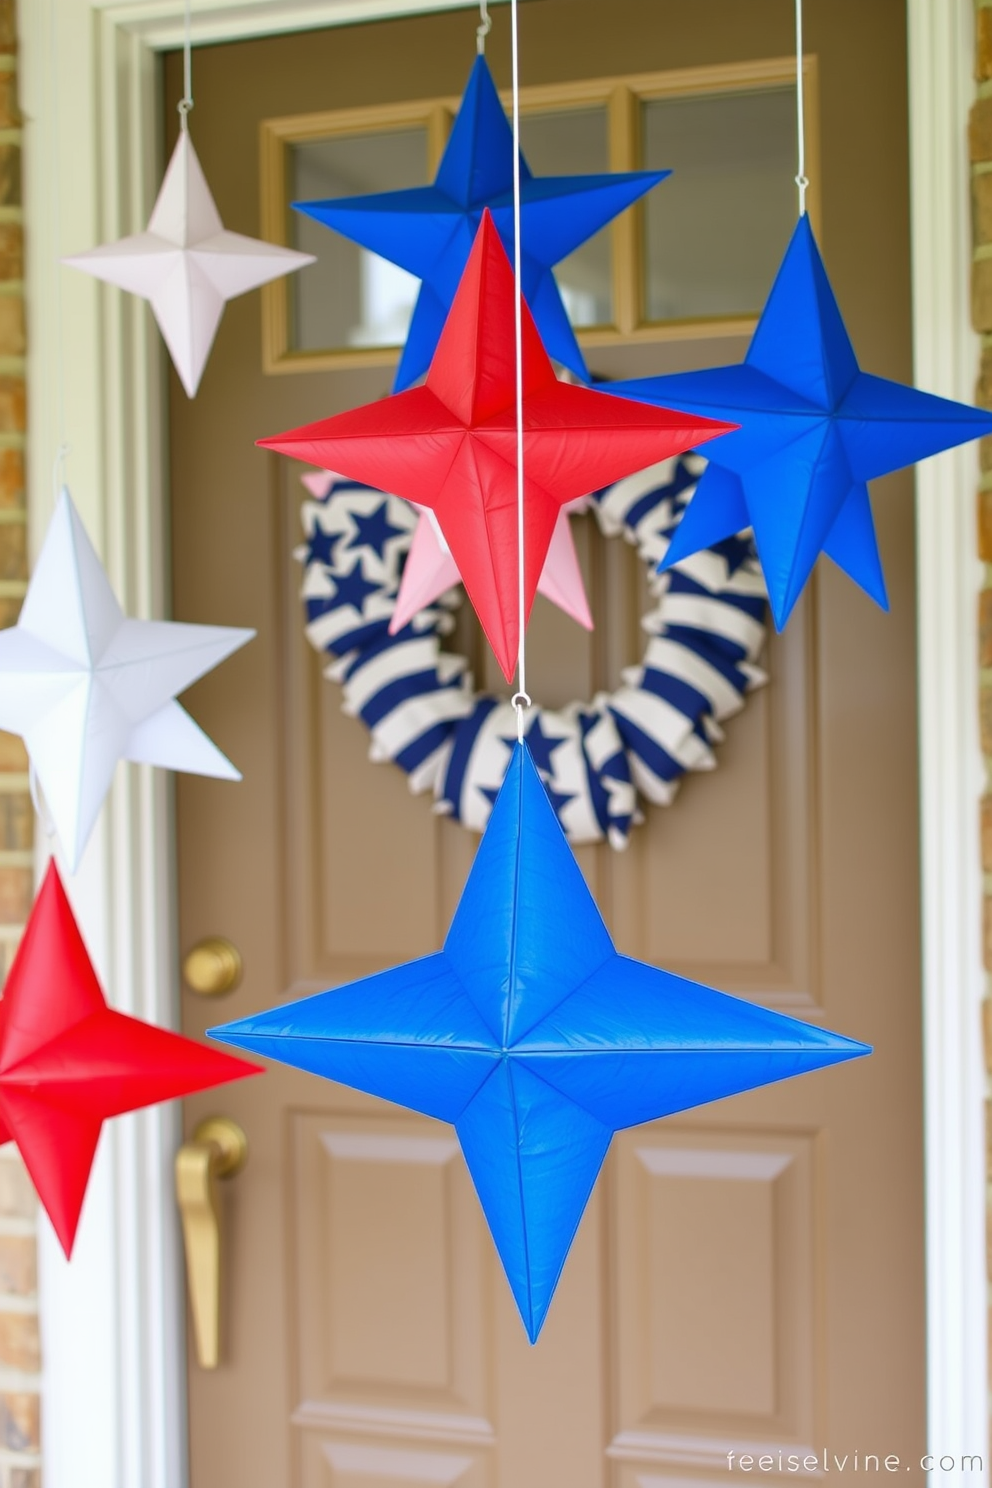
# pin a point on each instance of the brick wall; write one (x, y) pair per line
(19, 1342)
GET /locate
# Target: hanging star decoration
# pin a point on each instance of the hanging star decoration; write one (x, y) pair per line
(535, 1038)
(68, 1061)
(814, 429)
(451, 445)
(187, 265)
(430, 571)
(429, 230)
(85, 687)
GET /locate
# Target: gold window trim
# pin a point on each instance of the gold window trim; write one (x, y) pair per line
(622, 98)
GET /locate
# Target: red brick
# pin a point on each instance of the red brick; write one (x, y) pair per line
(11, 251)
(981, 294)
(13, 340)
(985, 718)
(13, 755)
(984, 621)
(983, 44)
(984, 514)
(10, 609)
(13, 550)
(981, 208)
(17, 1198)
(16, 895)
(13, 405)
(16, 821)
(8, 25)
(10, 175)
(10, 113)
(18, 1266)
(20, 1415)
(980, 130)
(20, 1344)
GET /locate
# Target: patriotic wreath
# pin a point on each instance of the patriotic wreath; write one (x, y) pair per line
(706, 630)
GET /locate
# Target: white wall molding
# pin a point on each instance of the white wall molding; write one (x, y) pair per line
(112, 1322)
(941, 87)
(159, 24)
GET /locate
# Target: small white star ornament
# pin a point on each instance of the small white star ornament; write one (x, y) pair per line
(85, 687)
(186, 265)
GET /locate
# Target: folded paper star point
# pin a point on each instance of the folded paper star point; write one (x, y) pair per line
(68, 1061)
(533, 1036)
(430, 571)
(450, 445)
(429, 230)
(814, 429)
(187, 265)
(84, 686)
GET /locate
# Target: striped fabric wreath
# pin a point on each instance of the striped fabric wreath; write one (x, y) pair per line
(706, 629)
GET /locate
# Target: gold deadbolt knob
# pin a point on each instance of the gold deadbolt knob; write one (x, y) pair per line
(212, 967)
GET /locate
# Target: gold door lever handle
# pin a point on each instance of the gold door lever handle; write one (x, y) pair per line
(217, 1149)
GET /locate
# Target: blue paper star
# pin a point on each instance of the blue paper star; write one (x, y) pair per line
(429, 230)
(535, 1038)
(321, 545)
(352, 589)
(814, 430)
(375, 530)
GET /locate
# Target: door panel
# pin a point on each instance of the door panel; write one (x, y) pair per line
(747, 1277)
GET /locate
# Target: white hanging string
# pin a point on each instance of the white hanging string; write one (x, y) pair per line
(520, 699)
(484, 28)
(186, 102)
(61, 444)
(802, 180)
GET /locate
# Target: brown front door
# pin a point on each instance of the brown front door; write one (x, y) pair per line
(749, 1277)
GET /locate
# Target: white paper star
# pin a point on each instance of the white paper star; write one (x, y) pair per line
(84, 686)
(186, 265)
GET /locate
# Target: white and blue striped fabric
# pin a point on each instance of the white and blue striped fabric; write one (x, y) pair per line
(706, 630)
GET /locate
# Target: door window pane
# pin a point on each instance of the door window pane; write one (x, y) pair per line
(716, 230)
(571, 143)
(350, 297)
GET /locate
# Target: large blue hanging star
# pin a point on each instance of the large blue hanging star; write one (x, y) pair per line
(535, 1038)
(814, 430)
(429, 230)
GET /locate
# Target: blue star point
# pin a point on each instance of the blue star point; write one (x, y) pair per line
(814, 430)
(535, 1038)
(429, 230)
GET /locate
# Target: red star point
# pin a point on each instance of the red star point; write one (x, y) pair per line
(68, 1061)
(452, 444)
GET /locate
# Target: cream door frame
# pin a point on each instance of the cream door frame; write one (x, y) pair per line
(113, 1322)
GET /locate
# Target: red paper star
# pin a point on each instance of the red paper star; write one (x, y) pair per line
(451, 444)
(68, 1061)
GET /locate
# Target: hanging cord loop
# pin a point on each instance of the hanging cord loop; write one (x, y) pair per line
(186, 102)
(802, 180)
(521, 700)
(483, 29)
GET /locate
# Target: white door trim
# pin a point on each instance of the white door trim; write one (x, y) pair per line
(941, 88)
(112, 1322)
